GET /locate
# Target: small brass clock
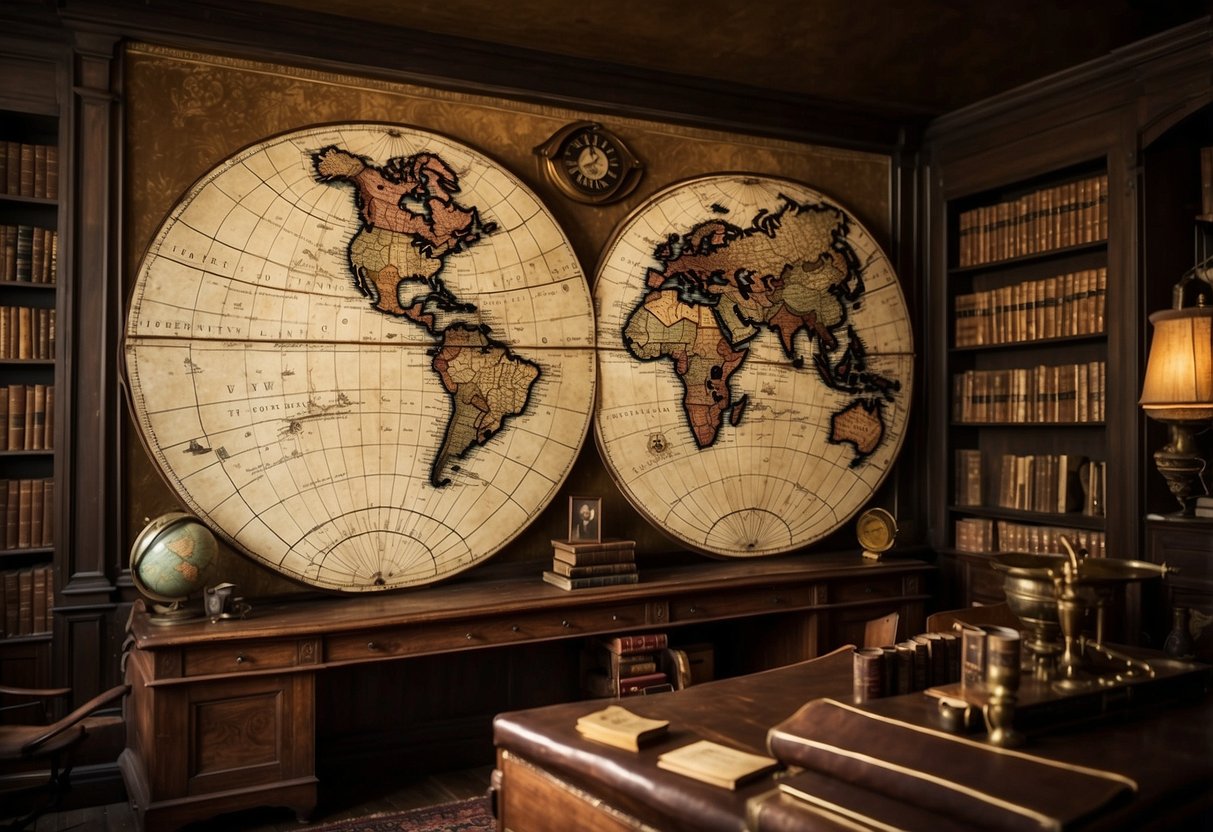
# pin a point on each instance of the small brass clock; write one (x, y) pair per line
(876, 530)
(589, 163)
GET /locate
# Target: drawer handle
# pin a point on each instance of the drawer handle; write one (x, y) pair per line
(868, 589)
(468, 636)
(565, 623)
(240, 659)
(513, 628)
(693, 609)
(776, 600)
(373, 645)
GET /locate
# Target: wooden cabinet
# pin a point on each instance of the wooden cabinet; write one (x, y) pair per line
(29, 242)
(1186, 545)
(230, 715)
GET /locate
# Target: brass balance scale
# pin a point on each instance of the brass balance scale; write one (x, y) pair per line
(1052, 596)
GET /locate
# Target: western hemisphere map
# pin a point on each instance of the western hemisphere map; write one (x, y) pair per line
(755, 363)
(363, 353)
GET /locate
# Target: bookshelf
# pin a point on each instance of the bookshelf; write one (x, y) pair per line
(1139, 118)
(1026, 364)
(29, 234)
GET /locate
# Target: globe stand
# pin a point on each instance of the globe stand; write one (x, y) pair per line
(174, 612)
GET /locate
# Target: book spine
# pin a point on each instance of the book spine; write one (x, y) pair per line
(638, 643)
(562, 568)
(594, 558)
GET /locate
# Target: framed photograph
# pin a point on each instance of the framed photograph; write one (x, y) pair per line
(585, 518)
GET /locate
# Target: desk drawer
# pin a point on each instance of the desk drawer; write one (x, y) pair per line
(852, 592)
(240, 658)
(444, 636)
(714, 605)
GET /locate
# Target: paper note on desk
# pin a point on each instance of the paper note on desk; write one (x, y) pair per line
(621, 728)
(714, 763)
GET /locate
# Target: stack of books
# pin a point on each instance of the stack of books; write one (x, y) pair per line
(578, 565)
(628, 665)
(1204, 506)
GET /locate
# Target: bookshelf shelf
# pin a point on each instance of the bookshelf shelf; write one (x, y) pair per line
(1069, 519)
(1038, 257)
(1063, 341)
(29, 263)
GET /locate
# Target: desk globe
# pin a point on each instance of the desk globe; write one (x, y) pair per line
(169, 563)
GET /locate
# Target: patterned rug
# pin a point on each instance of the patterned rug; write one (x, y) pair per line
(460, 816)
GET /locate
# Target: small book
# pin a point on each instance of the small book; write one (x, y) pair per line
(636, 643)
(717, 764)
(570, 571)
(565, 582)
(637, 685)
(621, 728)
(593, 545)
(594, 558)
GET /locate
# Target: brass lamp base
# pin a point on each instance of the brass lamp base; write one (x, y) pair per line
(1181, 464)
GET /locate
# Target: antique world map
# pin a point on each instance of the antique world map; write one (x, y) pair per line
(363, 353)
(366, 355)
(755, 364)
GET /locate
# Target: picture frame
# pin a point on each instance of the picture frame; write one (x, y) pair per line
(585, 519)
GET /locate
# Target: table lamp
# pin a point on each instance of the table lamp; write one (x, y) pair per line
(1178, 390)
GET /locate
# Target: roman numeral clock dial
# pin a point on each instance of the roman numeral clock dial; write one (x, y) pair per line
(589, 163)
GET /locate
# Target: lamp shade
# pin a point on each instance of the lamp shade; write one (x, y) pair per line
(1179, 373)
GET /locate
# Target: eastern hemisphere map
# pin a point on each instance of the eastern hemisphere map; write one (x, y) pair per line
(755, 364)
(362, 353)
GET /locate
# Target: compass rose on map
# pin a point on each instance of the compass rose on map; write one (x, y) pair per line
(363, 353)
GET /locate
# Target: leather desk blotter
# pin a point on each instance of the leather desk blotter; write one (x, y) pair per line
(960, 778)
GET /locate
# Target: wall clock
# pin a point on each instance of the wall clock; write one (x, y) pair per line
(589, 163)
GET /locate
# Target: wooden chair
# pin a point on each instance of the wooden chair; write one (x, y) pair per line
(1000, 615)
(29, 746)
(881, 632)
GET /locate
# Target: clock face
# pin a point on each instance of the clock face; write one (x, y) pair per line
(876, 529)
(589, 163)
(592, 162)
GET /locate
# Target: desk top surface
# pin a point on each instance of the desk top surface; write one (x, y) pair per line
(1164, 749)
(492, 593)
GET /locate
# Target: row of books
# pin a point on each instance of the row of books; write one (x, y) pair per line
(27, 332)
(27, 599)
(1048, 483)
(630, 665)
(1045, 393)
(27, 507)
(985, 536)
(27, 417)
(584, 564)
(1053, 307)
(28, 169)
(1047, 219)
(28, 253)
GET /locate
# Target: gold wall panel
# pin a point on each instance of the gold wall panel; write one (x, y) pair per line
(185, 112)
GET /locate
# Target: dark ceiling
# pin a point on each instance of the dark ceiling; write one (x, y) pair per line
(910, 56)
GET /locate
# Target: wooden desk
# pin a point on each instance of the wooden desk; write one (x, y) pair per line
(549, 778)
(221, 716)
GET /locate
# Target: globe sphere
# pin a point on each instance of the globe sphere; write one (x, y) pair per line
(171, 557)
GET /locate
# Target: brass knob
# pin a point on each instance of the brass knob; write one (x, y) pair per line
(372, 645)
(240, 658)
